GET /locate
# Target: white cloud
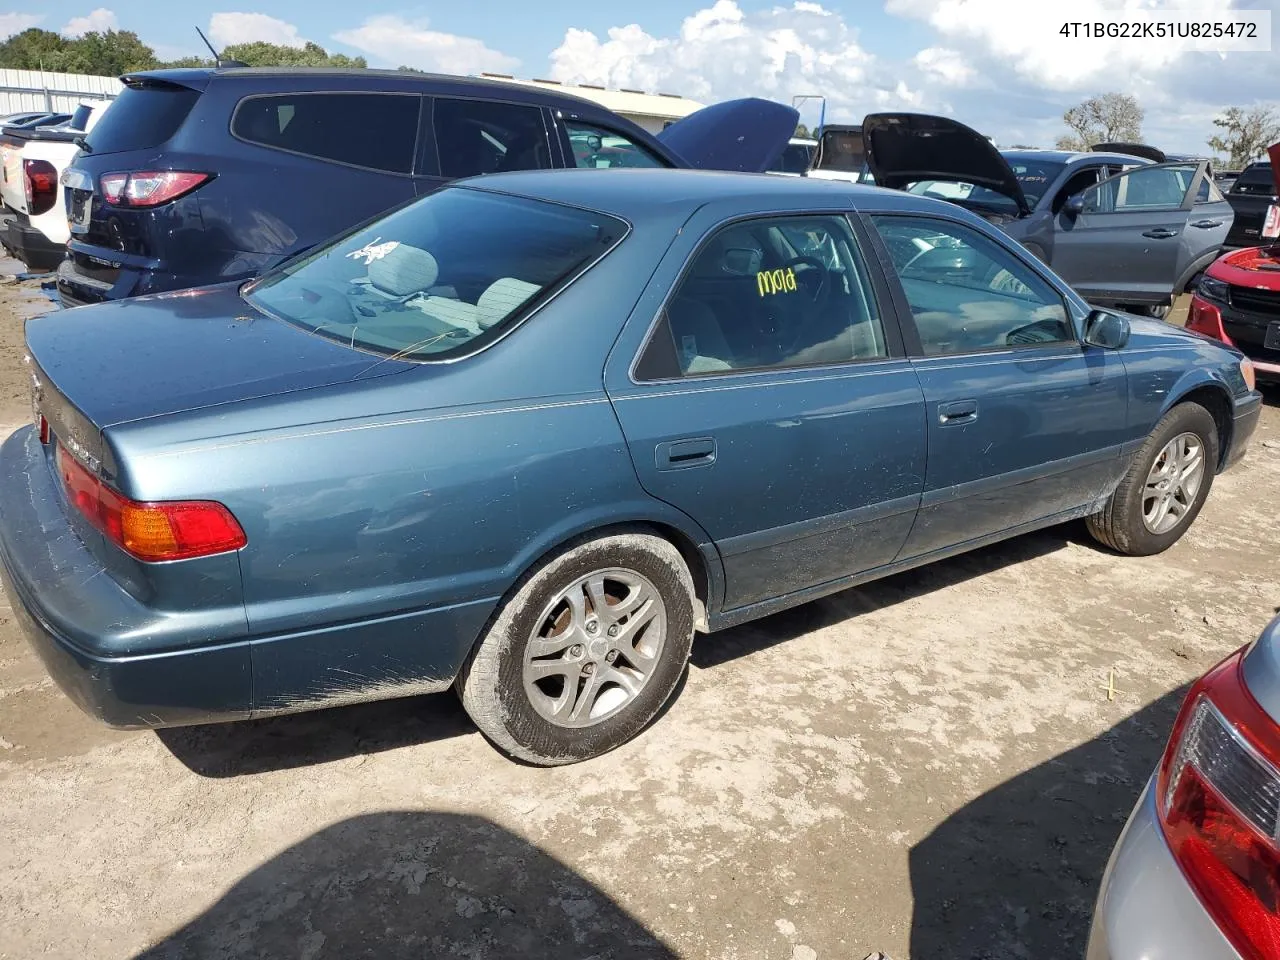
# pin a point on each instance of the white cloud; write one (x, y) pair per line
(722, 52)
(11, 23)
(97, 21)
(227, 29)
(945, 65)
(389, 40)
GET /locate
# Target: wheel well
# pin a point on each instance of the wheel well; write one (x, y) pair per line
(1215, 400)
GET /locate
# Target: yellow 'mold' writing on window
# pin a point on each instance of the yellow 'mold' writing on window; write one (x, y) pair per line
(776, 281)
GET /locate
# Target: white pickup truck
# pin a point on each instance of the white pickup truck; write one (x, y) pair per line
(34, 226)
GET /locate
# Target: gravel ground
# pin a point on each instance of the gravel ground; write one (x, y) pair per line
(930, 766)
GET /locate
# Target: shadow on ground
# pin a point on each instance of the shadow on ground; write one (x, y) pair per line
(279, 743)
(416, 885)
(1014, 873)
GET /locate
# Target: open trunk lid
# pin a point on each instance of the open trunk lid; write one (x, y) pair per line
(904, 148)
(745, 136)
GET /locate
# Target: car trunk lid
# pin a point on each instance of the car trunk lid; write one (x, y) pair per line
(904, 148)
(130, 360)
(746, 136)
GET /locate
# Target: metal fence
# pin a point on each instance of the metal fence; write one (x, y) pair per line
(22, 90)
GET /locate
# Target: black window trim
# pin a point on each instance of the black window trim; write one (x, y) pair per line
(915, 347)
(895, 350)
(231, 127)
(434, 145)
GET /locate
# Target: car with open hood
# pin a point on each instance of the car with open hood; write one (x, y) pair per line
(526, 435)
(1237, 300)
(203, 175)
(1252, 195)
(1122, 230)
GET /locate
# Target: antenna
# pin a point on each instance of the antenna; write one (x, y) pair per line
(208, 44)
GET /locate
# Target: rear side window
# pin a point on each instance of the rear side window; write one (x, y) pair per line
(142, 117)
(1255, 182)
(374, 130)
(484, 136)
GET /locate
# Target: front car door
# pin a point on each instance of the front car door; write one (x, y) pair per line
(1131, 240)
(762, 389)
(1025, 423)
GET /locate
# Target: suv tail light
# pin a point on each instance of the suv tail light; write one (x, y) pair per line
(168, 530)
(149, 188)
(1218, 794)
(40, 180)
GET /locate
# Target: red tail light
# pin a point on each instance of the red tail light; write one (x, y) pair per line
(168, 530)
(40, 180)
(1204, 317)
(1218, 793)
(149, 188)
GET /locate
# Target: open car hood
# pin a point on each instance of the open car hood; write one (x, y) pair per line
(745, 136)
(903, 148)
(1273, 152)
(1144, 150)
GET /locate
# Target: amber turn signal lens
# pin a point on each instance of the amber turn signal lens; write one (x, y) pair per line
(1246, 371)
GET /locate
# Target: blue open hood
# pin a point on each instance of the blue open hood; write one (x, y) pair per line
(745, 136)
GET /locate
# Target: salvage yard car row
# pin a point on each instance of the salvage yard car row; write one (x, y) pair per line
(525, 434)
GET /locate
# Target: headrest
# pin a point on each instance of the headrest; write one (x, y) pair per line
(404, 270)
(502, 299)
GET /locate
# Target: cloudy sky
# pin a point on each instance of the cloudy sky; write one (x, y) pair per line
(999, 65)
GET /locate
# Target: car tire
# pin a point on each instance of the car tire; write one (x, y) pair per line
(527, 684)
(1132, 522)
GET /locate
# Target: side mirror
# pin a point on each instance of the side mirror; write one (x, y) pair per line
(1105, 329)
(1074, 205)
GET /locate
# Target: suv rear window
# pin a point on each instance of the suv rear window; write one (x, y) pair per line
(1255, 181)
(439, 278)
(374, 130)
(143, 116)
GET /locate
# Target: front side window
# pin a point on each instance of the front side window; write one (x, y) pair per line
(335, 126)
(600, 148)
(967, 293)
(439, 278)
(486, 136)
(1141, 189)
(779, 292)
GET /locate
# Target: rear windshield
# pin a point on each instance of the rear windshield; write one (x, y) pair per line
(142, 117)
(1255, 181)
(440, 277)
(842, 150)
(1034, 176)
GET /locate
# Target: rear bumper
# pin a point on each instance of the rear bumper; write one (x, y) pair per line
(1146, 910)
(76, 618)
(29, 245)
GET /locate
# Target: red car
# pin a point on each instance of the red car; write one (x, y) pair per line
(1237, 300)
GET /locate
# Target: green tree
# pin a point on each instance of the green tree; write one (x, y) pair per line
(1109, 118)
(262, 54)
(802, 132)
(1245, 135)
(34, 49)
(109, 54)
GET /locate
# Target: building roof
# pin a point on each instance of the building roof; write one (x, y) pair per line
(668, 106)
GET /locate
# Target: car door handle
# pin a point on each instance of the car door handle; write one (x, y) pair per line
(679, 454)
(1160, 233)
(1207, 224)
(961, 411)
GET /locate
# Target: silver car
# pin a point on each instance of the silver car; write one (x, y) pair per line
(1196, 873)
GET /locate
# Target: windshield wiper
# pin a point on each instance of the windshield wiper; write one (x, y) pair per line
(83, 144)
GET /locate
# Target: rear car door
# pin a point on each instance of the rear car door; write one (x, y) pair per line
(1024, 422)
(466, 137)
(1132, 239)
(771, 402)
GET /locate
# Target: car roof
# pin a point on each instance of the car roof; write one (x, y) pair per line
(377, 79)
(636, 193)
(1068, 156)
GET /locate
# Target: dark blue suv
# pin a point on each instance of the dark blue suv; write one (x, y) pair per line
(199, 176)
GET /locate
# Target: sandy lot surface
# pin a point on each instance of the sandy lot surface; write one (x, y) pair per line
(929, 766)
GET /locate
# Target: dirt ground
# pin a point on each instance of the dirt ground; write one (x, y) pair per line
(929, 766)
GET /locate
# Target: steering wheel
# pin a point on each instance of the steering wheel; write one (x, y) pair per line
(823, 289)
